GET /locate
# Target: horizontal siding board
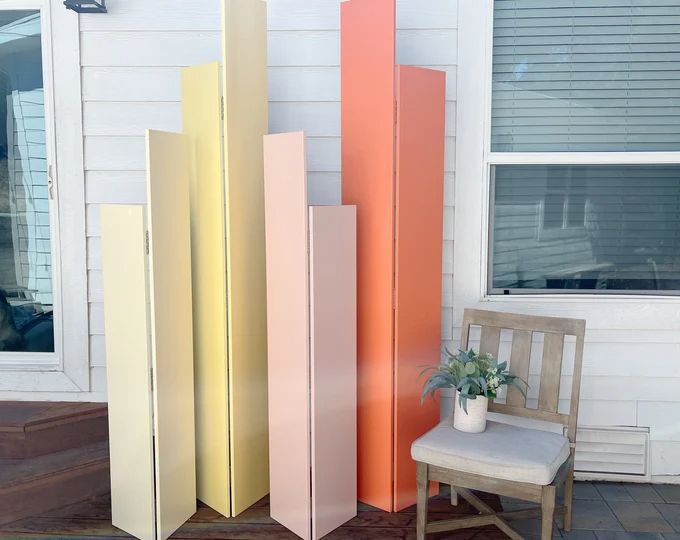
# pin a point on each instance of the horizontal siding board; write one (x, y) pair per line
(125, 49)
(449, 189)
(94, 253)
(96, 318)
(304, 83)
(117, 187)
(115, 154)
(324, 188)
(322, 119)
(664, 457)
(97, 351)
(93, 220)
(323, 154)
(322, 48)
(130, 119)
(427, 47)
(95, 287)
(122, 84)
(662, 418)
(156, 15)
(318, 119)
(607, 413)
(325, 14)
(303, 48)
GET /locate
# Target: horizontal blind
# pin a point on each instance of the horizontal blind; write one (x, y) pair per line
(586, 75)
(575, 228)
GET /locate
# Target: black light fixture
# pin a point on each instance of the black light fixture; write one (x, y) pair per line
(86, 6)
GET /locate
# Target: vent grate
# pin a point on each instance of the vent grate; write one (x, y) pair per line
(612, 451)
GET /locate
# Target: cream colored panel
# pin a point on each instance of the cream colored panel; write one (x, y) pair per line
(128, 369)
(202, 125)
(245, 91)
(171, 328)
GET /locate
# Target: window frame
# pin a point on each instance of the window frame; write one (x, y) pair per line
(67, 369)
(474, 160)
(492, 159)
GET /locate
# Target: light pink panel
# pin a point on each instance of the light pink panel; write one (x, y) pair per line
(286, 225)
(333, 352)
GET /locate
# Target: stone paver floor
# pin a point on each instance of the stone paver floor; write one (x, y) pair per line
(615, 511)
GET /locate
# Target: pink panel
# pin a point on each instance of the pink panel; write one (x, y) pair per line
(418, 273)
(286, 225)
(333, 349)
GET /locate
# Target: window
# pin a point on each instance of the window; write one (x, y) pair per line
(26, 293)
(584, 124)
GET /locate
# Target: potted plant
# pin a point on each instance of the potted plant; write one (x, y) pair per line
(476, 379)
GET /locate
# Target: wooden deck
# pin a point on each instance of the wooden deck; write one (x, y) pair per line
(92, 521)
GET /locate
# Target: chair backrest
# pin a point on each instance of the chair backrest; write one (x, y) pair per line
(554, 330)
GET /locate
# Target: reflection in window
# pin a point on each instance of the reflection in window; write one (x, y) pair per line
(26, 297)
(608, 228)
(585, 76)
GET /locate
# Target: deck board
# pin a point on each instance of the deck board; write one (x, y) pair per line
(91, 520)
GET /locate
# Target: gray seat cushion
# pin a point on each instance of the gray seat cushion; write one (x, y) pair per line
(503, 451)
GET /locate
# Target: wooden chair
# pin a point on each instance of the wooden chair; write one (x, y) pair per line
(522, 463)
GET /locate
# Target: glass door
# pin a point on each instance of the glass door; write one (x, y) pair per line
(26, 262)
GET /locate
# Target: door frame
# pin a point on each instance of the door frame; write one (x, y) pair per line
(67, 370)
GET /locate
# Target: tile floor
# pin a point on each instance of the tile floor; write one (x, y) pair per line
(615, 511)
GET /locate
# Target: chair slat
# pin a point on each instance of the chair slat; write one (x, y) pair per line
(551, 371)
(519, 365)
(479, 317)
(465, 335)
(490, 340)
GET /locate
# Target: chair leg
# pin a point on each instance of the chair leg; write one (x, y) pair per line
(547, 512)
(454, 496)
(568, 499)
(422, 499)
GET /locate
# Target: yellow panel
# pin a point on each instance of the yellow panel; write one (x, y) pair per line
(128, 369)
(245, 89)
(171, 328)
(203, 127)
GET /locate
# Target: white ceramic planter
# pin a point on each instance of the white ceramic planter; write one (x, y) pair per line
(475, 419)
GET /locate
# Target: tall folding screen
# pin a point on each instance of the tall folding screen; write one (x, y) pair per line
(128, 369)
(418, 261)
(225, 117)
(201, 105)
(288, 331)
(398, 191)
(367, 65)
(311, 292)
(245, 123)
(147, 304)
(333, 316)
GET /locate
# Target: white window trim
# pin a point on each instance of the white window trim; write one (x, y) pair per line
(472, 196)
(67, 370)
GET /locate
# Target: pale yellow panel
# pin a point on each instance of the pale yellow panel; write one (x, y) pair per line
(171, 328)
(202, 126)
(128, 369)
(245, 89)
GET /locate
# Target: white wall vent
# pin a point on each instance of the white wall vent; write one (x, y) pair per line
(608, 452)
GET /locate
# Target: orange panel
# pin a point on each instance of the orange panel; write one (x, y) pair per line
(420, 202)
(368, 88)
